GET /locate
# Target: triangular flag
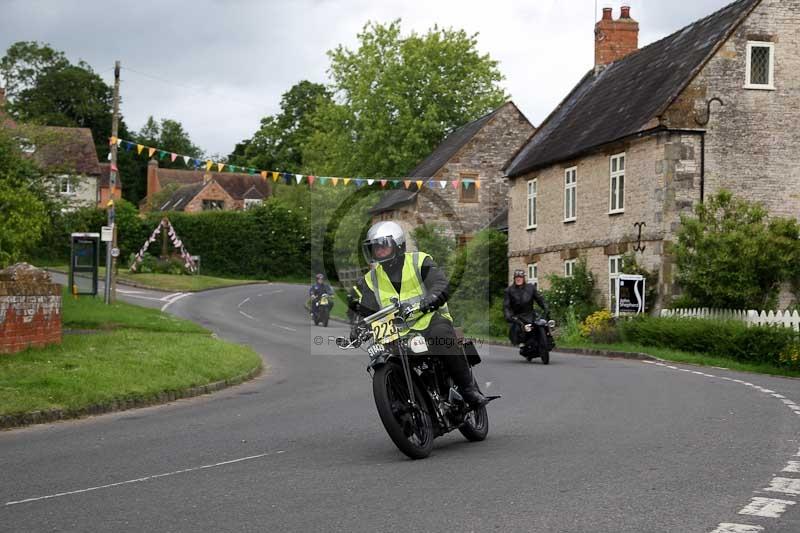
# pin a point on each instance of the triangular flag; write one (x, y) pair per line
(467, 183)
(323, 180)
(150, 151)
(287, 178)
(161, 154)
(406, 183)
(335, 181)
(347, 181)
(264, 174)
(232, 168)
(274, 176)
(119, 142)
(186, 159)
(359, 182)
(251, 171)
(456, 183)
(383, 183)
(299, 178)
(173, 156)
(220, 166)
(114, 167)
(310, 181)
(139, 149)
(419, 184)
(370, 182)
(395, 183)
(209, 163)
(109, 156)
(443, 184)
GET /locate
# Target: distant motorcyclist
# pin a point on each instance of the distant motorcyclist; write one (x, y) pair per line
(318, 289)
(408, 276)
(519, 300)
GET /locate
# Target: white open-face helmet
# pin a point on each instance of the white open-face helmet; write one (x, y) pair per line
(381, 236)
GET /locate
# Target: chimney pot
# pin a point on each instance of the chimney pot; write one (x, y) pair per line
(626, 12)
(607, 13)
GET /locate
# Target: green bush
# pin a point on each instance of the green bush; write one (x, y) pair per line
(430, 238)
(478, 317)
(722, 338)
(575, 293)
(479, 270)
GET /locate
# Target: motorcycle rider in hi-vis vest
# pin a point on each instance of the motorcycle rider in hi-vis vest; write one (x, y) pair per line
(413, 276)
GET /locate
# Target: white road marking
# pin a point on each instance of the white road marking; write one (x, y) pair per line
(287, 328)
(737, 528)
(785, 485)
(766, 507)
(243, 302)
(174, 299)
(779, 396)
(129, 292)
(248, 316)
(788, 402)
(793, 467)
(142, 479)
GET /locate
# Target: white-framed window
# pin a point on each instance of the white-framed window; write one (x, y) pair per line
(760, 65)
(532, 198)
(533, 274)
(569, 267)
(616, 203)
(66, 185)
(570, 193)
(614, 270)
(252, 202)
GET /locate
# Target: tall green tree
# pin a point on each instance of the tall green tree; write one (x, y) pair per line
(22, 210)
(732, 255)
(396, 97)
(25, 61)
(279, 142)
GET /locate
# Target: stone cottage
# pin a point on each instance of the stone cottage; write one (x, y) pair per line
(471, 161)
(648, 133)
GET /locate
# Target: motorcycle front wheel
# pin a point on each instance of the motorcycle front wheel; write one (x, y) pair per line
(410, 428)
(476, 425)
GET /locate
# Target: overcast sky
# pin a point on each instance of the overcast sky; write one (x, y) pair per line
(219, 66)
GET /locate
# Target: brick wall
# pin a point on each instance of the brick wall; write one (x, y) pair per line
(30, 309)
(662, 181)
(213, 191)
(483, 158)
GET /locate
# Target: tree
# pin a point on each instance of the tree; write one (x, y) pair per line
(732, 255)
(279, 142)
(21, 209)
(25, 61)
(397, 97)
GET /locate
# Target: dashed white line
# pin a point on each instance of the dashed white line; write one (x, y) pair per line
(785, 485)
(142, 479)
(766, 507)
(245, 314)
(243, 302)
(737, 528)
(793, 467)
(287, 328)
(172, 298)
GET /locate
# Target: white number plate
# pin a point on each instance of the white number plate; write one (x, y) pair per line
(384, 330)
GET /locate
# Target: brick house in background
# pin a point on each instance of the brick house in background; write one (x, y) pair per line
(647, 134)
(201, 190)
(104, 186)
(68, 155)
(476, 151)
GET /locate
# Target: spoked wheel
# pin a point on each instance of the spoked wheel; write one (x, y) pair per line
(476, 425)
(410, 428)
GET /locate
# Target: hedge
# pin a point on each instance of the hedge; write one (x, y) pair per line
(721, 338)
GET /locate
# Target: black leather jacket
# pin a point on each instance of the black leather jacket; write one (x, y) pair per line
(519, 300)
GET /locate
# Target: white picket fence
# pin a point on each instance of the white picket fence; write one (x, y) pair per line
(763, 318)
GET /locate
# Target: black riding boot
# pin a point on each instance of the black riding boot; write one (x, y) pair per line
(458, 368)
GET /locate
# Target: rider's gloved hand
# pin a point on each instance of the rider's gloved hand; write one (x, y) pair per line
(428, 303)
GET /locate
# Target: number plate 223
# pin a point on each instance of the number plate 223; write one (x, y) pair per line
(385, 330)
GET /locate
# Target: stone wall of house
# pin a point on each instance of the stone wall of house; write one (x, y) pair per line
(482, 158)
(213, 191)
(30, 309)
(752, 144)
(662, 181)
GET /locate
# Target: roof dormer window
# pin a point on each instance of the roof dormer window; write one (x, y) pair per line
(760, 65)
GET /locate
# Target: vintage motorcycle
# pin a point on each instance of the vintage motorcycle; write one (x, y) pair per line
(416, 398)
(532, 330)
(321, 309)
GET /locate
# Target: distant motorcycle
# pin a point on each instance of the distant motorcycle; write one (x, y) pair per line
(321, 309)
(536, 334)
(416, 398)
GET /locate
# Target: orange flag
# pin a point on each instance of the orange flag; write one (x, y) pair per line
(150, 152)
(264, 174)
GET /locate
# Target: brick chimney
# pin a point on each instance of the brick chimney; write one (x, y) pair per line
(614, 39)
(153, 185)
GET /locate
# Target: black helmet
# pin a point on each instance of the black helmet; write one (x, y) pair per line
(384, 235)
(519, 274)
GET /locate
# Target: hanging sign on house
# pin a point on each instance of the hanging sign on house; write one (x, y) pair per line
(630, 295)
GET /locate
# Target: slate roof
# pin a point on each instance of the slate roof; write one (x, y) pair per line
(625, 96)
(499, 222)
(428, 167)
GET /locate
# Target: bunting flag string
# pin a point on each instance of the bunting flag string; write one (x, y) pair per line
(294, 178)
(188, 262)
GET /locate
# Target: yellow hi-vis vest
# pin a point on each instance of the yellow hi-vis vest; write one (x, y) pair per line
(411, 287)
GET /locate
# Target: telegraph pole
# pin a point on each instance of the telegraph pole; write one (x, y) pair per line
(111, 248)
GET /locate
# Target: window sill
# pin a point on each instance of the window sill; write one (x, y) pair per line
(570, 220)
(616, 213)
(760, 87)
(531, 228)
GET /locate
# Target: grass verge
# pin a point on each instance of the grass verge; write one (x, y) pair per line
(677, 356)
(131, 353)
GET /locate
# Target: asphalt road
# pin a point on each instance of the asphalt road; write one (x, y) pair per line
(585, 444)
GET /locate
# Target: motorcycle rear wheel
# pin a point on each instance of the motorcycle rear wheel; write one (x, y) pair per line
(411, 429)
(476, 425)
